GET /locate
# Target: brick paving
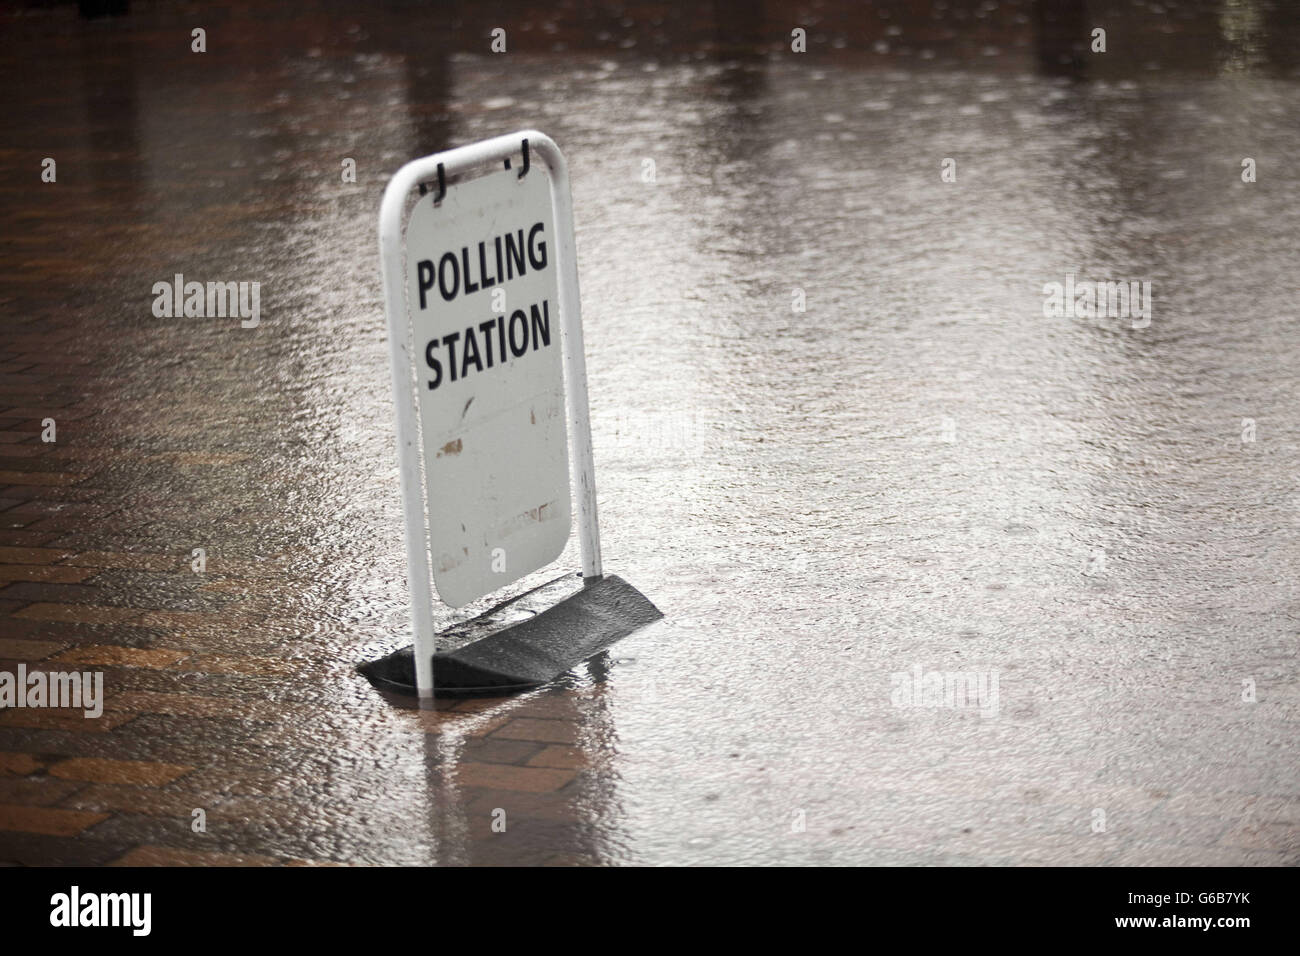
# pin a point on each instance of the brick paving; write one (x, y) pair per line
(195, 715)
(104, 791)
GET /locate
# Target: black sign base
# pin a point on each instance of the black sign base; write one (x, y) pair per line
(530, 652)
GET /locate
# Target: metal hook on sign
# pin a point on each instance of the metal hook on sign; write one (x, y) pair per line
(524, 172)
(442, 186)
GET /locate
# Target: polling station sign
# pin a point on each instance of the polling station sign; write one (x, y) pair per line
(489, 387)
(482, 290)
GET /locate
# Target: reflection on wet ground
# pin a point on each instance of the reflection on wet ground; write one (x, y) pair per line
(919, 473)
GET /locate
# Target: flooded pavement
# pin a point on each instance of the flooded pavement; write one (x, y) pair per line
(839, 441)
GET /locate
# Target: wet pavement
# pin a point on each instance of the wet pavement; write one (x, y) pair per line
(920, 471)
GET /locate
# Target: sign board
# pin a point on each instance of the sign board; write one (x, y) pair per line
(483, 295)
(489, 376)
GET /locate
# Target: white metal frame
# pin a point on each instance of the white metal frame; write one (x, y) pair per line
(391, 253)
